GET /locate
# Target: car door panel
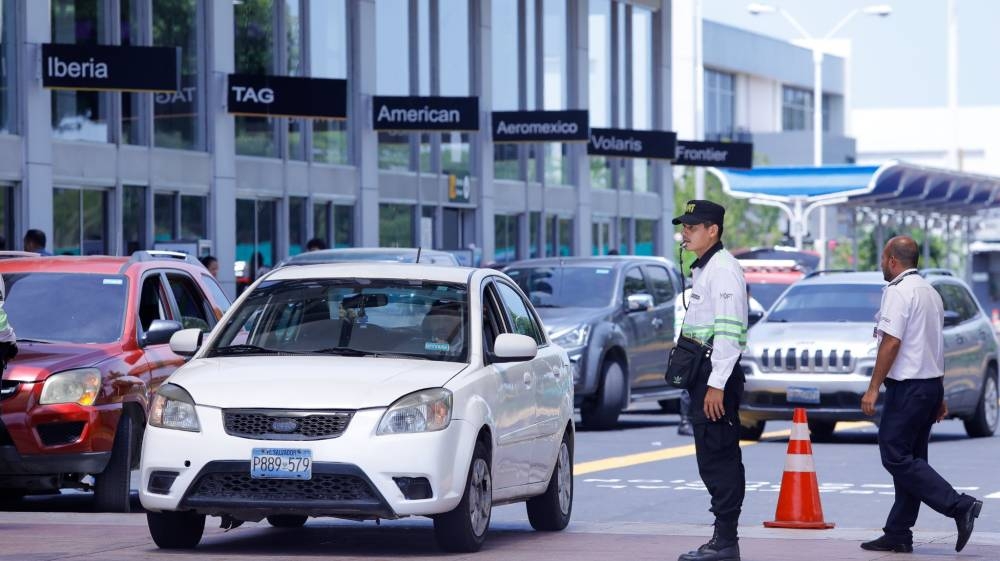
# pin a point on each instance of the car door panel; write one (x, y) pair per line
(663, 290)
(642, 334)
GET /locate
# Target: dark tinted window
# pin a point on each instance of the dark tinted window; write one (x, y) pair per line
(566, 287)
(663, 289)
(828, 303)
(221, 300)
(522, 321)
(765, 292)
(190, 303)
(956, 299)
(634, 282)
(66, 307)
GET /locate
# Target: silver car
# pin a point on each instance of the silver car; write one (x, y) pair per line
(815, 349)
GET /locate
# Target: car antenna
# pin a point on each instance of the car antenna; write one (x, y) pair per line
(418, 254)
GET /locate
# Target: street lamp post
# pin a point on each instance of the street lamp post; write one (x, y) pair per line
(816, 46)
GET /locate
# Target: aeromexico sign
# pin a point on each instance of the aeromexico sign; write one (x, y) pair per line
(287, 96)
(398, 113)
(113, 68)
(715, 154)
(540, 126)
(623, 143)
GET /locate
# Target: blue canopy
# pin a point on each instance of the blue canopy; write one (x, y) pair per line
(893, 185)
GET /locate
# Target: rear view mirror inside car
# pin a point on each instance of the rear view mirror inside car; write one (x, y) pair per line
(365, 301)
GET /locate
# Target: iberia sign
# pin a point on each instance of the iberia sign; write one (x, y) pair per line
(111, 68)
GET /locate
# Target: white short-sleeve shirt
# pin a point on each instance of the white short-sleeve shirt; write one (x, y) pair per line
(912, 312)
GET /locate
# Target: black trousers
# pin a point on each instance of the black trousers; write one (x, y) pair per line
(909, 411)
(717, 448)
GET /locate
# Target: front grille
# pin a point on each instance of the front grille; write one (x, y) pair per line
(834, 400)
(322, 487)
(286, 425)
(8, 389)
(801, 359)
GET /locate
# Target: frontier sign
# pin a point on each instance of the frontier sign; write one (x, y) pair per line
(715, 154)
(111, 68)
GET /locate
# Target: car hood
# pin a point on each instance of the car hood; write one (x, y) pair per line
(35, 361)
(558, 319)
(820, 335)
(305, 382)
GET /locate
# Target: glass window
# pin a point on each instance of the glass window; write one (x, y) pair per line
(254, 24)
(79, 222)
(296, 225)
(395, 225)
(554, 76)
(796, 109)
(133, 125)
(133, 218)
(506, 239)
(599, 40)
(827, 303)
(505, 59)
(566, 287)
(328, 59)
(255, 232)
(95, 227)
(392, 48)
(79, 115)
(521, 319)
(8, 63)
(65, 221)
(179, 118)
(220, 298)
(560, 232)
(67, 307)
(634, 282)
(190, 303)
(164, 216)
(7, 216)
(343, 220)
(534, 233)
(321, 222)
(645, 231)
(194, 217)
(293, 67)
(720, 99)
(663, 289)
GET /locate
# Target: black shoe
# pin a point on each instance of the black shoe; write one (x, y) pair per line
(713, 551)
(685, 429)
(882, 543)
(965, 521)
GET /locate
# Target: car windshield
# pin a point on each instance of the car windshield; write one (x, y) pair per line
(351, 317)
(766, 292)
(828, 303)
(66, 307)
(566, 287)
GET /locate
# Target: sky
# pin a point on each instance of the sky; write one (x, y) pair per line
(899, 60)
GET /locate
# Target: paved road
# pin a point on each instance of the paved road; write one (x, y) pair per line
(638, 497)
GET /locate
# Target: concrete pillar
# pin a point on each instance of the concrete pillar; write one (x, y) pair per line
(361, 79)
(481, 71)
(577, 97)
(36, 187)
(663, 175)
(222, 130)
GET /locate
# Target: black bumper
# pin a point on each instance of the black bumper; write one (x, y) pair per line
(13, 463)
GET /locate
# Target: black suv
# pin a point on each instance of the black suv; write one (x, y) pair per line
(615, 318)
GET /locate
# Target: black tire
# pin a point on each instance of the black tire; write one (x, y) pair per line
(984, 421)
(603, 411)
(113, 485)
(287, 520)
(751, 430)
(821, 431)
(463, 530)
(551, 511)
(175, 530)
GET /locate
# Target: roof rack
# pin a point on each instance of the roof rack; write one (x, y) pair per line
(933, 271)
(145, 255)
(829, 271)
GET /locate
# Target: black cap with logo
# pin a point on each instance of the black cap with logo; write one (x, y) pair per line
(700, 212)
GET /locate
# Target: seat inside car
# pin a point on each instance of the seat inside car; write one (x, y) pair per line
(443, 322)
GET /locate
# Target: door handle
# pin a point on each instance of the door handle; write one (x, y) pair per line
(527, 379)
(657, 323)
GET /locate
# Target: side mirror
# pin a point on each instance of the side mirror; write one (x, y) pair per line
(951, 318)
(160, 331)
(186, 341)
(754, 317)
(511, 347)
(640, 302)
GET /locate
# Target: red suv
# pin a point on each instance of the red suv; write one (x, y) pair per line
(93, 335)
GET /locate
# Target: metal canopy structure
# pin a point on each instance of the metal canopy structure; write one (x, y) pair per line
(895, 185)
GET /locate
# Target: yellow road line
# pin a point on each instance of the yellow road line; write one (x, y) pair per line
(629, 460)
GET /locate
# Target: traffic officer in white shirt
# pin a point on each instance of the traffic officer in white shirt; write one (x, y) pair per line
(717, 316)
(910, 361)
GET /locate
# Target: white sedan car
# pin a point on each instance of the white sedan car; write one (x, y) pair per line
(364, 391)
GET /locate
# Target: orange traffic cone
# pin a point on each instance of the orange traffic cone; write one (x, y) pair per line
(798, 502)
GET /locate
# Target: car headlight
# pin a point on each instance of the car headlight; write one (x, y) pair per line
(423, 411)
(73, 386)
(173, 408)
(573, 337)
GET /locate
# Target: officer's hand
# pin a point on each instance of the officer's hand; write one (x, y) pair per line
(868, 402)
(713, 404)
(942, 411)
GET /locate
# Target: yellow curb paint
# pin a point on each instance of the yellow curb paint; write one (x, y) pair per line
(617, 462)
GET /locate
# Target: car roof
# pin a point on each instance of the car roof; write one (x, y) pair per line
(376, 270)
(321, 255)
(853, 277)
(590, 261)
(96, 264)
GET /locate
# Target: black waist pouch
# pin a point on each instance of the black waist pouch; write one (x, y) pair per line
(689, 361)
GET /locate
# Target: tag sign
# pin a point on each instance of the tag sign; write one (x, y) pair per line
(624, 143)
(715, 154)
(111, 68)
(540, 126)
(287, 96)
(398, 113)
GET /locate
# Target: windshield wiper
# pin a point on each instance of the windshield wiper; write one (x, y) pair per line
(244, 350)
(343, 351)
